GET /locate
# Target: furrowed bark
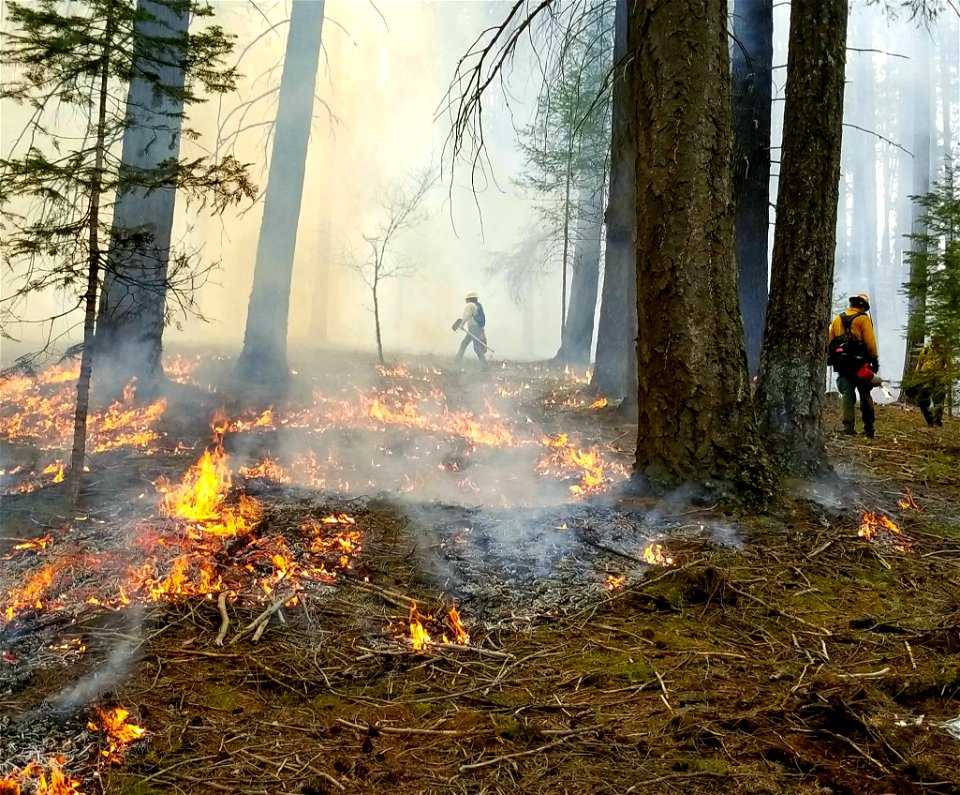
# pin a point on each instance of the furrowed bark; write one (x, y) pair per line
(696, 422)
(793, 365)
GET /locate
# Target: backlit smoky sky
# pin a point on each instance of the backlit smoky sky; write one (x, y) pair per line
(381, 115)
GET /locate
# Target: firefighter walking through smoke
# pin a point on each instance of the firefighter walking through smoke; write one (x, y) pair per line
(852, 353)
(472, 324)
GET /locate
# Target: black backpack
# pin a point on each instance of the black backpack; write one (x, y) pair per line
(847, 353)
(480, 319)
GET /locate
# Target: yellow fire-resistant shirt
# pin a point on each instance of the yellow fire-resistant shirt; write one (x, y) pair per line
(861, 328)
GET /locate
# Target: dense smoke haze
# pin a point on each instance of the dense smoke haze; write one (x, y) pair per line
(383, 115)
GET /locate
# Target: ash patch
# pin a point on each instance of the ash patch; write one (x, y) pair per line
(514, 566)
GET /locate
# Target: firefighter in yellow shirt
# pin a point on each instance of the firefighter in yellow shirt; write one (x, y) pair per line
(931, 379)
(853, 344)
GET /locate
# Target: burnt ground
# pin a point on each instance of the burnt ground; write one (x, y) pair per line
(777, 653)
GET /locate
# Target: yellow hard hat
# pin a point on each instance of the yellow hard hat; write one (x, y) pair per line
(861, 297)
(470, 295)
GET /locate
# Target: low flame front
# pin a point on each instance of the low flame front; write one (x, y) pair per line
(880, 528)
(40, 780)
(120, 732)
(420, 638)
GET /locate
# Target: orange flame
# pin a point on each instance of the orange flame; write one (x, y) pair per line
(36, 543)
(907, 502)
(615, 581)
(872, 523)
(58, 784)
(460, 634)
(656, 555)
(120, 732)
(268, 468)
(34, 588)
(200, 497)
(563, 458)
(419, 637)
(880, 528)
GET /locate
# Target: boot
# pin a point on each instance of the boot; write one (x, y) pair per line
(868, 432)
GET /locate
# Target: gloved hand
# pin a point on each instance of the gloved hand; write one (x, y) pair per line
(875, 365)
(457, 324)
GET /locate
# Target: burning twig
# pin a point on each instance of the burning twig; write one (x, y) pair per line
(882, 529)
(907, 502)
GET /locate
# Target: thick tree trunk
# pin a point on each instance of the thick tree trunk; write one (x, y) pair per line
(264, 355)
(752, 65)
(576, 341)
(79, 451)
(696, 421)
(792, 367)
(920, 185)
(615, 370)
(133, 301)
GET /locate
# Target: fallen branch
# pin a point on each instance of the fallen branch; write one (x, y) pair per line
(409, 732)
(224, 618)
(505, 757)
(263, 618)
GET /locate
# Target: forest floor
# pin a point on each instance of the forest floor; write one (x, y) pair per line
(779, 652)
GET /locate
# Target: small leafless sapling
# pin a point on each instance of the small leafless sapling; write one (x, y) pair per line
(401, 210)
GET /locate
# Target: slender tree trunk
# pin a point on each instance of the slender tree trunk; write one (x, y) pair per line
(949, 62)
(793, 366)
(576, 342)
(320, 305)
(264, 355)
(696, 423)
(615, 370)
(752, 65)
(133, 300)
(920, 185)
(865, 175)
(376, 321)
(78, 453)
(566, 240)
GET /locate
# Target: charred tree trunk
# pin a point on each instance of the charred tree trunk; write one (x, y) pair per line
(133, 301)
(615, 370)
(264, 356)
(78, 453)
(793, 366)
(576, 341)
(752, 65)
(920, 185)
(696, 422)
